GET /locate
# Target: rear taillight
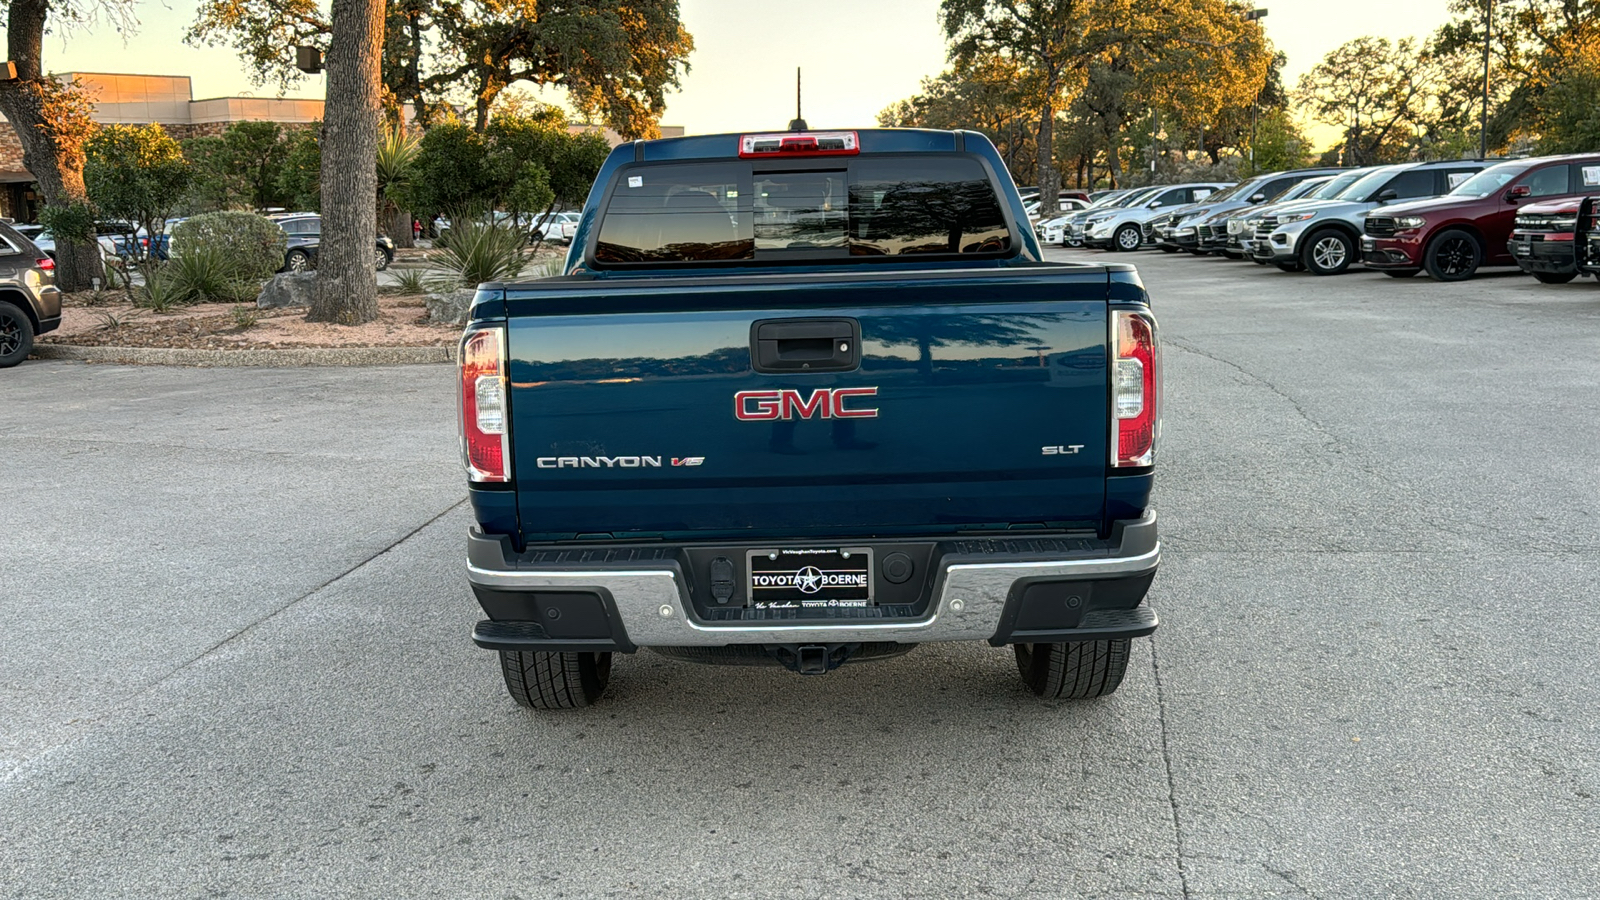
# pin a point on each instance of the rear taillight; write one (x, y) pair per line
(46, 264)
(485, 418)
(1135, 389)
(799, 143)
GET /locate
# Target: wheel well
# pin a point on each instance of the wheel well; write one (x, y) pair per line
(1471, 230)
(18, 298)
(1342, 227)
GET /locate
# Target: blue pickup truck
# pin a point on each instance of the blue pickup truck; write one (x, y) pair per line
(807, 399)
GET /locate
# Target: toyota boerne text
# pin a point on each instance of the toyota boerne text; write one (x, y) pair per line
(809, 399)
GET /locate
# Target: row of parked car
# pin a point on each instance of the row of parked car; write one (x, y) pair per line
(1448, 218)
(118, 239)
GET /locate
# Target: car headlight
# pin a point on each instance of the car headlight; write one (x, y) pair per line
(1189, 230)
(1286, 218)
(1410, 222)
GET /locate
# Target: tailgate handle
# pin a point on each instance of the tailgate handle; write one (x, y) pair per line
(805, 345)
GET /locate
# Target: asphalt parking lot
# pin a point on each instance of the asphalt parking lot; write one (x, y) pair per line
(234, 656)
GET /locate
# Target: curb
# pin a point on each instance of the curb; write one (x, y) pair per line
(271, 359)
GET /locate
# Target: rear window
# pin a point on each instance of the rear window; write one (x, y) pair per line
(761, 212)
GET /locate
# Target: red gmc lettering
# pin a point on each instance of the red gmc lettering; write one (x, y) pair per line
(842, 394)
(824, 403)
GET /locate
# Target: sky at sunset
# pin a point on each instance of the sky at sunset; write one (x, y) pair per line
(859, 55)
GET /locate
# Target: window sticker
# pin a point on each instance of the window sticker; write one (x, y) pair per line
(1591, 176)
(1201, 195)
(635, 181)
(1459, 178)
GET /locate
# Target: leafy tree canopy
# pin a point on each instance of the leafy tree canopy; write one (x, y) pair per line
(136, 173)
(615, 59)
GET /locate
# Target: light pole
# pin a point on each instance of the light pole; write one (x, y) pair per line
(1254, 15)
(1483, 114)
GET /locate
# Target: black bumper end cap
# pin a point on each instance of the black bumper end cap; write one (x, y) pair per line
(1099, 625)
(492, 635)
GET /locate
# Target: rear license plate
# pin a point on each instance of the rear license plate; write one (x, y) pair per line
(1521, 249)
(810, 578)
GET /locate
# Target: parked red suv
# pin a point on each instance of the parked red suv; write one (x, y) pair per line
(1452, 236)
(1543, 243)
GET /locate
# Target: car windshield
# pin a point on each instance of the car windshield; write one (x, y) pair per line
(1337, 186)
(1368, 184)
(1229, 193)
(1295, 192)
(1136, 197)
(1491, 179)
(1108, 200)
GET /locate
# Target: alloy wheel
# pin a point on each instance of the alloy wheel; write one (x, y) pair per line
(1456, 256)
(10, 334)
(1328, 253)
(298, 262)
(1129, 239)
(380, 260)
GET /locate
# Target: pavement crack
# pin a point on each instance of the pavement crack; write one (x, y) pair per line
(1466, 526)
(1316, 426)
(122, 705)
(297, 600)
(1172, 781)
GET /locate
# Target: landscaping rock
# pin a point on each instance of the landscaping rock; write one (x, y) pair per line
(288, 289)
(450, 307)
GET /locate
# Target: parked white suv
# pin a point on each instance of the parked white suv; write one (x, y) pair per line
(557, 228)
(1123, 228)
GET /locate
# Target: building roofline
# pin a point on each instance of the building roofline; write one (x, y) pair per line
(124, 74)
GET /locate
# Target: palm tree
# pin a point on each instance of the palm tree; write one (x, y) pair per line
(397, 150)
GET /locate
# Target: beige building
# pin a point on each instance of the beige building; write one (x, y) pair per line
(168, 101)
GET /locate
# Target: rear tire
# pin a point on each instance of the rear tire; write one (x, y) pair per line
(1453, 256)
(540, 680)
(1328, 252)
(1555, 277)
(16, 335)
(1076, 671)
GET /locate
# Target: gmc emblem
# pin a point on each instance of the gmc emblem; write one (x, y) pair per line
(824, 403)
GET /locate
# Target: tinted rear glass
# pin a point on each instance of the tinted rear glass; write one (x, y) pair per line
(766, 212)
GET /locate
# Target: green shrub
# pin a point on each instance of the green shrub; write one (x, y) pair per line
(161, 290)
(410, 281)
(252, 244)
(69, 221)
(202, 272)
(482, 251)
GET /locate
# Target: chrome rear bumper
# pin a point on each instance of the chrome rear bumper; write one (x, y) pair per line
(977, 594)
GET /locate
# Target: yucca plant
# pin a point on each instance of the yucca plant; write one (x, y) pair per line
(483, 251)
(205, 272)
(162, 290)
(410, 281)
(397, 152)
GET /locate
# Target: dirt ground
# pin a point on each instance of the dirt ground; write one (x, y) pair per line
(110, 320)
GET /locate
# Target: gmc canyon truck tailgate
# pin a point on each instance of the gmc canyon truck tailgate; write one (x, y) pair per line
(939, 401)
(808, 399)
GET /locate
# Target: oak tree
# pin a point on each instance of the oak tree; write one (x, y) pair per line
(615, 59)
(52, 121)
(347, 278)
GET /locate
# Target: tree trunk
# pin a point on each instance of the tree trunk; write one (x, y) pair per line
(398, 226)
(347, 278)
(57, 168)
(1049, 180)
